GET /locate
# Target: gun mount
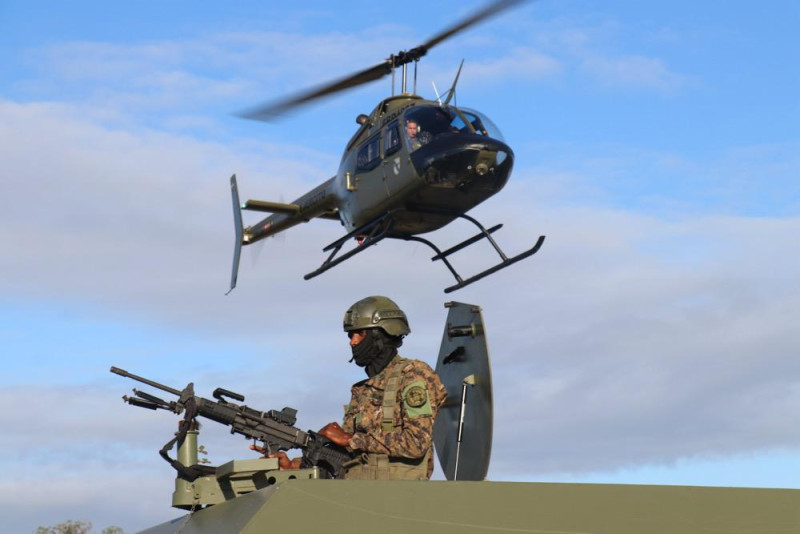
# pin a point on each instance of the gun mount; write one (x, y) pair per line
(196, 484)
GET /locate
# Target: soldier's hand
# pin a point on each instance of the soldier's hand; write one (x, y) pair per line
(284, 462)
(283, 459)
(256, 448)
(336, 434)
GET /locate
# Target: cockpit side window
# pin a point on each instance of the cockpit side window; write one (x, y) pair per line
(457, 125)
(369, 154)
(483, 125)
(476, 123)
(391, 139)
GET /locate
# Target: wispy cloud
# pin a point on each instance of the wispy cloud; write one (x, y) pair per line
(520, 63)
(218, 69)
(225, 70)
(600, 53)
(633, 72)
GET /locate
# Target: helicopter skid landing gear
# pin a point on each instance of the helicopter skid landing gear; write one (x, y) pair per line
(380, 228)
(484, 233)
(367, 235)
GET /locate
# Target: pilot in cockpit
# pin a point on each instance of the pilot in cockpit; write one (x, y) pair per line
(416, 137)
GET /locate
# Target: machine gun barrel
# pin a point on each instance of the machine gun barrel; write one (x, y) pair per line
(162, 387)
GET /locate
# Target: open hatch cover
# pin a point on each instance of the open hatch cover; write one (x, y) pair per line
(463, 367)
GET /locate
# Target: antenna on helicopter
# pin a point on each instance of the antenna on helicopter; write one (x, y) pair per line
(438, 98)
(452, 90)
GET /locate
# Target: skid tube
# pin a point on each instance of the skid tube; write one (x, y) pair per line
(484, 233)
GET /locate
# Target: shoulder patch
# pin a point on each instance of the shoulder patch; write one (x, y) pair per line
(415, 398)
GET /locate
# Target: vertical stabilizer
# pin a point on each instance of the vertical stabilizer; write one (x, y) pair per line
(237, 222)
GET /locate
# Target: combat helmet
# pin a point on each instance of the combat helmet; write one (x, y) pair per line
(376, 312)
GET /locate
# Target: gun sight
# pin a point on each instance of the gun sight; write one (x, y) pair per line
(286, 416)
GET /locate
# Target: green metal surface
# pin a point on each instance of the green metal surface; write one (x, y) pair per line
(342, 506)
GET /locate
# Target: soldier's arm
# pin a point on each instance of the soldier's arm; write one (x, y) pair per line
(348, 423)
(420, 399)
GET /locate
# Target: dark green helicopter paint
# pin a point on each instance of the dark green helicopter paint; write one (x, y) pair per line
(390, 184)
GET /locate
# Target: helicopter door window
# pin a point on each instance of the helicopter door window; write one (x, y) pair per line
(391, 139)
(369, 154)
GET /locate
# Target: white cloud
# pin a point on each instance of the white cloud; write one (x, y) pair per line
(621, 317)
(232, 70)
(635, 72)
(107, 499)
(202, 72)
(519, 63)
(598, 51)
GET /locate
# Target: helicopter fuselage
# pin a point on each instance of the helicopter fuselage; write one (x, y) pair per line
(454, 160)
(425, 181)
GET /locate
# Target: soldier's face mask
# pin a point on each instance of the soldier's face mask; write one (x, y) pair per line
(374, 351)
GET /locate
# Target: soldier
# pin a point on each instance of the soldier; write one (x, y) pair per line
(390, 416)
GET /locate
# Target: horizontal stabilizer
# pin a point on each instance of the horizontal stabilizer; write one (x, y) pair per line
(271, 207)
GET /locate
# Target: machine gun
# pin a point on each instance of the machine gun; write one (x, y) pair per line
(273, 428)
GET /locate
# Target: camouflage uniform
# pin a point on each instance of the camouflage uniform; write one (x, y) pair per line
(394, 431)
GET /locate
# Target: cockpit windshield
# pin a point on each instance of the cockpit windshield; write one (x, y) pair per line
(425, 123)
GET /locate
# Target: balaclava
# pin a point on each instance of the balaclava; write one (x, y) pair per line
(375, 351)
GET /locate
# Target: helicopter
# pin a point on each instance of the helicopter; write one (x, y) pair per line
(412, 167)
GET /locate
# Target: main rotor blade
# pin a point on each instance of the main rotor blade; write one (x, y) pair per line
(269, 111)
(272, 110)
(486, 12)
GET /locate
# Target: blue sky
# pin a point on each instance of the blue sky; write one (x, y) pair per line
(653, 339)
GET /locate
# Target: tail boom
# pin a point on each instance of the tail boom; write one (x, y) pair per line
(320, 202)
